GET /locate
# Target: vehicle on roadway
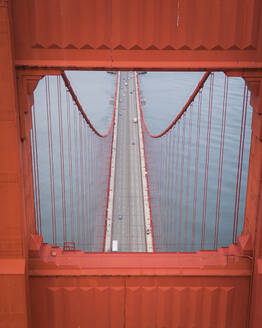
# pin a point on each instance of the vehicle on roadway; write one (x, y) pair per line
(135, 120)
(114, 246)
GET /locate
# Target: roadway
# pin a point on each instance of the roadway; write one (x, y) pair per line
(128, 224)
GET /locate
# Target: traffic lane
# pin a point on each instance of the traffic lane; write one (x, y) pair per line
(129, 231)
(120, 227)
(137, 211)
(122, 189)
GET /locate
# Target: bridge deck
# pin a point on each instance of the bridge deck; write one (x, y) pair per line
(128, 226)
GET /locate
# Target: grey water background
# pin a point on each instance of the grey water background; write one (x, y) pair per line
(164, 94)
(95, 91)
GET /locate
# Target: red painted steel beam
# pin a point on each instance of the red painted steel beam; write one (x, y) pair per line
(138, 34)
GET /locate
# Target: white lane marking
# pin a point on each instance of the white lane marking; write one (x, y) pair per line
(121, 200)
(149, 238)
(138, 238)
(112, 178)
(126, 230)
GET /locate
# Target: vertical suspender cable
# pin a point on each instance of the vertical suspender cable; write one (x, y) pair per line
(188, 176)
(171, 189)
(174, 130)
(167, 194)
(176, 184)
(161, 192)
(196, 170)
(51, 160)
(36, 174)
(166, 179)
(92, 185)
(86, 185)
(70, 167)
(80, 127)
(220, 166)
(240, 163)
(62, 165)
(77, 177)
(210, 107)
(89, 189)
(33, 155)
(181, 182)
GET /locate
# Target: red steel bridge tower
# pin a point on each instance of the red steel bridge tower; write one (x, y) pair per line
(46, 37)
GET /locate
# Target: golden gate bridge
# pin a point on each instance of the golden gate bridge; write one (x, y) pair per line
(172, 265)
(89, 197)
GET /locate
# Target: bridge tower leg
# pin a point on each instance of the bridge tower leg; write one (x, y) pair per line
(253, 215)
(14, 309)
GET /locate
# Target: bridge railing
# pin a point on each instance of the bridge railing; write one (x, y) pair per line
(197, 168)
(71, 162)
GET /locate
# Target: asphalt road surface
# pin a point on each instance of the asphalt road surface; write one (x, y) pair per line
(128, 207)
